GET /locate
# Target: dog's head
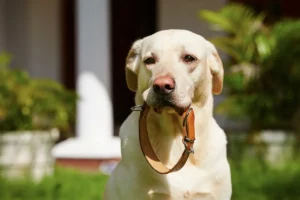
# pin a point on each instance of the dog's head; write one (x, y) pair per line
(173, 69)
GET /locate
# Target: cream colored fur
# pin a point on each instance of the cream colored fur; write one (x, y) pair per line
(206, 175)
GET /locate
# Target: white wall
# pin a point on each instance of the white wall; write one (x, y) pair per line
(15, 31)
(30, 31)
(44, 37)
(2, 19)
(183, 14)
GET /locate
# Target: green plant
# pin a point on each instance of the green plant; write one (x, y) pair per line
(33, 104)
(263, 74)
(252, 179)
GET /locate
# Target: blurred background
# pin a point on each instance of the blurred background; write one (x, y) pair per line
(63, 94)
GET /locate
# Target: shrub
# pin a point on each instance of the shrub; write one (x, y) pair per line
(252, 179)
(263, 74)
(30, 104)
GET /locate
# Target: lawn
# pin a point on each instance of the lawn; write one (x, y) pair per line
(252, 180)
(65, 184)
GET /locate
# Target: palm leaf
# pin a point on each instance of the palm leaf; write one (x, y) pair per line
(227, 45)
(234, 19)
(218, 21)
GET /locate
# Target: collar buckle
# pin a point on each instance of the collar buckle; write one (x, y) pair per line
(188, 140)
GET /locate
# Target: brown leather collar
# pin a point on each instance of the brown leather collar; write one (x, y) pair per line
(188, 140)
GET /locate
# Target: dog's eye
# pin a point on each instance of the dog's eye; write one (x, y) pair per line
(189, 58)
(149, 61)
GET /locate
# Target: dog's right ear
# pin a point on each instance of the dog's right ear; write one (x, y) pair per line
(132, 65)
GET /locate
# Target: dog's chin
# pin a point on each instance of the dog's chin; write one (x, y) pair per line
(169, 107)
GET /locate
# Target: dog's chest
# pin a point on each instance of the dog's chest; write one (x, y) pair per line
(189, 183)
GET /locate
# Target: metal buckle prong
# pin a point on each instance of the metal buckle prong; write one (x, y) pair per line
(137, 108)
(191, 150)
(188, 140)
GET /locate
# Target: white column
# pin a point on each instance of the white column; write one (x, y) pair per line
(93, 64)
(93, 40)
(94, 112)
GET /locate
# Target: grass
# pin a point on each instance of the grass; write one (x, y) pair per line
(251, 179)
(65, 184)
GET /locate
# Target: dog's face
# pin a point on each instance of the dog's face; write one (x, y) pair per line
(173, 69)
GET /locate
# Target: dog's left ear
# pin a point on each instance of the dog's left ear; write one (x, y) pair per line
(216, 69)
(131, 68)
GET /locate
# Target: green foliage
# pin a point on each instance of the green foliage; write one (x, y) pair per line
(65, 184)
(242, 24)
(33, 104)
(263, 73)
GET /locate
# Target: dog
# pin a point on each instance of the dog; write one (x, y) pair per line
(173, 70)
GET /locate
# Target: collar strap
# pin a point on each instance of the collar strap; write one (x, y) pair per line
(188, 140)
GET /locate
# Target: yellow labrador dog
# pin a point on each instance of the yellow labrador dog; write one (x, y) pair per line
(172, 70)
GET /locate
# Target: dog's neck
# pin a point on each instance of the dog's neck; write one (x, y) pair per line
(165, 131)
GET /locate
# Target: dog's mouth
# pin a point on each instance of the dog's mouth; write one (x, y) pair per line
(169, 103)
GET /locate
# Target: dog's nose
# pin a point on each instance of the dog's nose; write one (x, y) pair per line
(164, 85)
